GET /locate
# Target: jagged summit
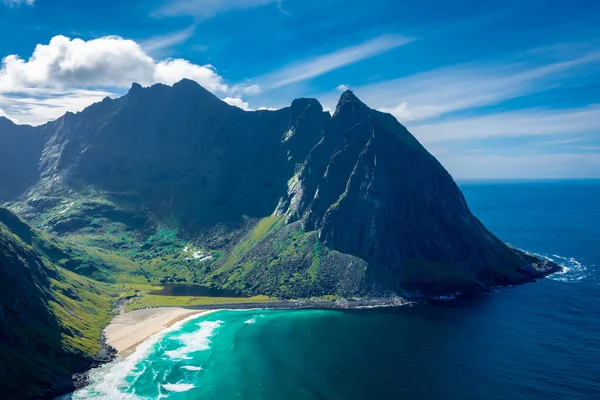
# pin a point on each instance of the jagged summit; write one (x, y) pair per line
(303, 102)
(192, 88)
(135, 87)
(348, 96)
(349, 100)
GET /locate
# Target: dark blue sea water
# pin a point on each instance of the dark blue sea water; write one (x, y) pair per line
(535, 341)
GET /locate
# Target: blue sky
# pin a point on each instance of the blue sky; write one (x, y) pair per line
(494, 89)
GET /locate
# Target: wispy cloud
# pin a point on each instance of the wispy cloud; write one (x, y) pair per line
(205, 9)
(34, 107)
(449, 111)
(325, 63)
(461, 87)
(536, 166)
(157, 44)
(511, 125)
(559, 143)
(14, 3)
(280, 7)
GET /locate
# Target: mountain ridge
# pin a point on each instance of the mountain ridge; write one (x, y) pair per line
(354, 189)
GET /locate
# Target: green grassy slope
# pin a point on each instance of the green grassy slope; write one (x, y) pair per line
(51, 319)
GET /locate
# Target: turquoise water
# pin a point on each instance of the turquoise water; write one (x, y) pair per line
(532, 341)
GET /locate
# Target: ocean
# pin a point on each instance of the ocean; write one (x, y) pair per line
(535, 341)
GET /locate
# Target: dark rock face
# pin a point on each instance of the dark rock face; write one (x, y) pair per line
(358, 179)
(184, 151)
(373, 191)
(20, 150)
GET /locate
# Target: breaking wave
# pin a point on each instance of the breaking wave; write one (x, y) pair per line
(113, 380)
(195, 341)
(573, 270)
(191, 368)
(178, 387)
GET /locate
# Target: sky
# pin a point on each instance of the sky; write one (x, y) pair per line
(494, 89)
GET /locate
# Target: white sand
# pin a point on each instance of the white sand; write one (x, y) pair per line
(126, 331)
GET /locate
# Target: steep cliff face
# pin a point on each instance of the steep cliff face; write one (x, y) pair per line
(361, 207)
(371, 190)
(183, 151)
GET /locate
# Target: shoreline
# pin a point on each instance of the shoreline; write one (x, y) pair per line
(127, 331)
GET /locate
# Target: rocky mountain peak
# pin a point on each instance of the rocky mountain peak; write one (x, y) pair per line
(350, 104)
(135, 87)
(188, 87)
(301, 104)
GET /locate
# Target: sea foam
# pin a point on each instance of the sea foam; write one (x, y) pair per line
(572, 269)
(191, 368)
(178, 387)
(109, 381)
(195, 341)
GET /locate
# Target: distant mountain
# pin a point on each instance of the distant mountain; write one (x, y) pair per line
(292, 203)
(20, 150)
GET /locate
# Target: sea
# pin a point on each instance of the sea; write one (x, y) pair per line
(534, 341)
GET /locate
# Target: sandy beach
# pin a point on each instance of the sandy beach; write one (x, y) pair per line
(126, 331)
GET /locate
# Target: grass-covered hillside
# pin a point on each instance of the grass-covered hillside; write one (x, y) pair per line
(51, 319)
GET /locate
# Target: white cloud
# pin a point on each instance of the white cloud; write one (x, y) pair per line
(61, 73)
(246, 89)
(237, 102)
(511, 124)
(106, 62)
(159, 43)
(204, 9)
(173, 70)
(14, 3)
(342, 88)
(325, 63)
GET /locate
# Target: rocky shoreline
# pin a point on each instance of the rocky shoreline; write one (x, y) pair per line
(62, 389)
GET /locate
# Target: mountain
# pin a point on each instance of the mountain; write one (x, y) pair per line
(50, 318)
(292, 203)
(20, 150)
